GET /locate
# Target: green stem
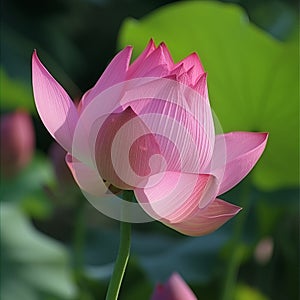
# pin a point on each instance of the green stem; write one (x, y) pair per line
(79, 235)
(122, 258)
(236, 248)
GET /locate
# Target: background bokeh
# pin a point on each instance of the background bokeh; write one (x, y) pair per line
(54, 245)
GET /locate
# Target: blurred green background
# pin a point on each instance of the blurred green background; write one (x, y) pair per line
(55, 245)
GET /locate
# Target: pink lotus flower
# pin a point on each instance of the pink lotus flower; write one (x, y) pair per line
(148, 127)
(174, 289)
(17, 141)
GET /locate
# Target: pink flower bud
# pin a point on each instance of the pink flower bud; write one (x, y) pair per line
(17, 141)
(174, 289)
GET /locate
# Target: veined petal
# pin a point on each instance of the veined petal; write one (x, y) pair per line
(171, 197)
(137, 63)
(180, 120)
(54, 106)
(201, 86)
(243, 149)
(124, 150)
(178, 70)
(156, 64)
(88, 179)
(113, 74)
(168, 60)
(193, 61)
(207, 220)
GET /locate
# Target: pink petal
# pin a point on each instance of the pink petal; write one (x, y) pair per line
(201, 85)
(157, 64)
(174, 289)
(168, 60)
(178, 70)
(54, 106)
(207, 220)
(123, 150)
(140, 60)
(172, 196)
(88, 179)
(193, 61)
(179, 118)
(113, 74)
(243, 149)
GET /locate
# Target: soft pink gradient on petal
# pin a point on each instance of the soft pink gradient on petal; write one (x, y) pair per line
(207, 220)
(176, 195)
(54, 106)
(156, 64)
(114, 73)
(141, 147)
(177, 131)
(185, 120)
(167, 55)
(140, 60)
(193, 62)
(87, 178)
(174, 289)
(201, 86)
(178, 70)
(243, 149)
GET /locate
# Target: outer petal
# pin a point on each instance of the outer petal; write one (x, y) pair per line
(113, 74)
(141, 58)
(193, 61)
(201, 86)
(174, 289)
(173, 196)
(157, 64)
(207, 220)
(243, 149)
(54, 106)
(88, 179)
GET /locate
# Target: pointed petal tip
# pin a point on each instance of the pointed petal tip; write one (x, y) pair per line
(36, 59)
(55, 107)
(128, 48)
(37, 66)
(243, 150)
(162, 45)
(207, 220)
(151, 42)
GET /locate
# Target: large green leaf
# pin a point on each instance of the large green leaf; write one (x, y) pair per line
(253, 78)
(159, 255)
(244, 292)
(30, 261)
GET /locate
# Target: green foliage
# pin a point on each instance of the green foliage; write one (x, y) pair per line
(196, 258)
(253, 78)
(244, 292)
(14, 93)
(31, 262)
(29, 186)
